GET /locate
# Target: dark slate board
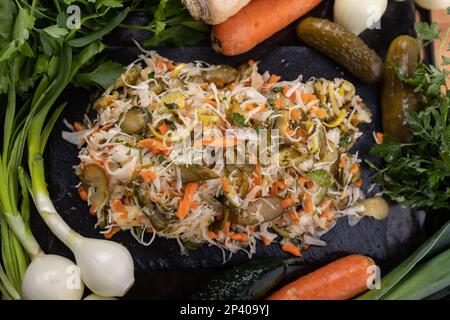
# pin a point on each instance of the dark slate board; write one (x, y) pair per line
(162, 268)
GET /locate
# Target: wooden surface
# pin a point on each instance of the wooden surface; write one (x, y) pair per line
(443, 19)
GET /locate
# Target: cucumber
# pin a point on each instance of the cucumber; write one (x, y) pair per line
(397, 96)
(249, 281)
(343, 47)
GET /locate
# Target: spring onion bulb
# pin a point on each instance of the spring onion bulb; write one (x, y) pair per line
(357, 16)
(52, 277)
(433, 4)
(214, 11)
(96, 297)
(106, 266)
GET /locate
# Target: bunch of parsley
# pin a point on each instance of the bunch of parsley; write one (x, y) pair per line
(418, 174)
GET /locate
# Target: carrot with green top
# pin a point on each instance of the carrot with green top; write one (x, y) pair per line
(188, 198)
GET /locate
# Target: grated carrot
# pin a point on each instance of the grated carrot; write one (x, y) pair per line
(154, 146)
(354, 169)
(295, 115)
(304, 180)
(239, 237)
(274, 79)
(111, 232)
(359, 183)
(288, 202)
(274, 189)
(83, 193)
(281, 185)
(309, 205)
(291, 248)
(211, 102)
(267, 242)
(251, 62)
(225, 184)
(307, 97)
(257, 178)
(188, 198)
(342, 162)
(278, 104)
(77, 126)
(321, 113)
(148, 175)
(194, 204)
(212, 235)
(163, 128)
(118, 206)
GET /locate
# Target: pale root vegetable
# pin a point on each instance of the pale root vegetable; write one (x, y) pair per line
(214, 11)
(433, 4)
(52, 277)
(342, 279)
(256, 22)
(357, 16)
(375, 207)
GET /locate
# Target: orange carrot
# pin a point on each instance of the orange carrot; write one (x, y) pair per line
(342, 279)
(83, 193)
(274, 79)
(221, 142)
(148, 175)
(309, 205)
(288, 202)
(239, 237)
(266, 241)
(77, 126)
(225, 184)
(293, 216)
(250, 26)
(278, 104)
(188, 198)
(281, 185)
(211, 102)
(296, 115)
(379, 137)
(111, 232)
(212, 234)
(163, 128)
(117, 205)
(154, 146)
(251, 62)
(307, 97)
(359, 183)
(291, 248)
(342, 162)
(354, 168)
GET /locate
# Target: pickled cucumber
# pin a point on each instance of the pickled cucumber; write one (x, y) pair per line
(397, 96)
(342, 46)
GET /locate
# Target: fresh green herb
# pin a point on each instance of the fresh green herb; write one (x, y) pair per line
(172, 24)
(427, 33)
(320, 176)
(104, 75)
(345, 140)
(238, 120)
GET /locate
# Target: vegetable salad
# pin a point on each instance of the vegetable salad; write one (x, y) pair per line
(135, 177)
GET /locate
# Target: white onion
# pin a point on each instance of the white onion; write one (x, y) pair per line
(357, 16)
(433, 4)
(52, 277)
(97, 297)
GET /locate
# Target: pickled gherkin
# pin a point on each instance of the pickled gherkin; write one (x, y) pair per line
(342, 46)
(397, 96)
